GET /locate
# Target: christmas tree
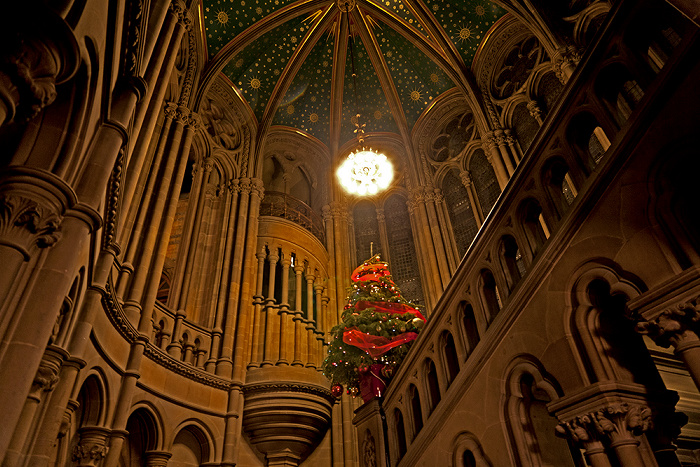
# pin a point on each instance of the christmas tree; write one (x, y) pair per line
(374, 335)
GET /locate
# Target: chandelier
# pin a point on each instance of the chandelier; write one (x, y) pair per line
(365, 171)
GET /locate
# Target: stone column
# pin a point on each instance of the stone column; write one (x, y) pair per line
(318, 289)
(217, 331)
(445, 231)
(578, 430)
(175, 347)
(466, 178)
(493, 154)
(258, 316)
(298, 317)
(157, 458)
(272, 322)
(309, 295)
(677, 327)
(383, 236)
(224, 366)
(616, 416)
(286, 324)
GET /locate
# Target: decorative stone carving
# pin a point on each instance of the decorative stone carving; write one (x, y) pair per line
(25, 223)
(369, 451)
(564, 62)
(673, 325)
(92, 446)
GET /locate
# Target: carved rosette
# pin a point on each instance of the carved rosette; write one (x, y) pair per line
(25, 223)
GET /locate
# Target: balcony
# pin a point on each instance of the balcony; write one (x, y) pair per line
(282, 205)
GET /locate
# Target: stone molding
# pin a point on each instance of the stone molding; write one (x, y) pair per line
(131, 334)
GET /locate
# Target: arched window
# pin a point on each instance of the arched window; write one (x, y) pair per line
(400, 432)
(619, 91)
(416, 409)
(460, 210)
(468, 459)
(471, 331)
(402, 250)
(451, 358)
(490, 294)
(433, 385)
(366, 230)
(485, 181)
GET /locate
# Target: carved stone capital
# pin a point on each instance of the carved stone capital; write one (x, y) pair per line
(92, 447)
(233, 185)
(157, 458)
(673, 325)
(488, 144)
(170, 110)
(380, 215)
(534, 108)
(466, 178)
(564, 61)
(258, 187)
(25, 223)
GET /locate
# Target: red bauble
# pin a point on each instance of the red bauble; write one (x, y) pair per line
(337, 390)
(362, 369)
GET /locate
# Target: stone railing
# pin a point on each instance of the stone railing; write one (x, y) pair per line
(287, 207)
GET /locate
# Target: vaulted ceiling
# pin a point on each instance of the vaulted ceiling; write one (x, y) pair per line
(291, 61)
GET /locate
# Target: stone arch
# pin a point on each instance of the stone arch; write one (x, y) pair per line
(191, 446)
(529, 427)
(463, 445)
(603, 337)
(145, 428)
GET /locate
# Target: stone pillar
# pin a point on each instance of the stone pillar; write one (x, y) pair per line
(309, 295)
(493, 154)
(318, 289)
(286, 324)
(257, 351)
(445, 231)
(217, 331)
(157, 458)
(272, 322)
(224, 365)
(616, 416)
(676, 327)
(383, 236)
(298, 317)
(535, 112)
(175, 347)
(466, 178)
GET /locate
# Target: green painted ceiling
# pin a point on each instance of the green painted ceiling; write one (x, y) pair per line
(252, 41)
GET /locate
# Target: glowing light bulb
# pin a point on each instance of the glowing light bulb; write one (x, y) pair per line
(365, 172)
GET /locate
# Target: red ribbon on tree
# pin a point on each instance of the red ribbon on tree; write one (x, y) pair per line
(388, 307)
(371, 270)
(375, 346)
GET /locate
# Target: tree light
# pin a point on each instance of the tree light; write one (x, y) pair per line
(365, 172)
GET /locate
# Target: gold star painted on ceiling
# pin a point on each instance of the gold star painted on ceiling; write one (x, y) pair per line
(222, 17)
(465, 34)
(480, 10)
(415, 95)
(378, 114)
(290, 109)
(254, 83)
(434, 77)
(313, 117)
